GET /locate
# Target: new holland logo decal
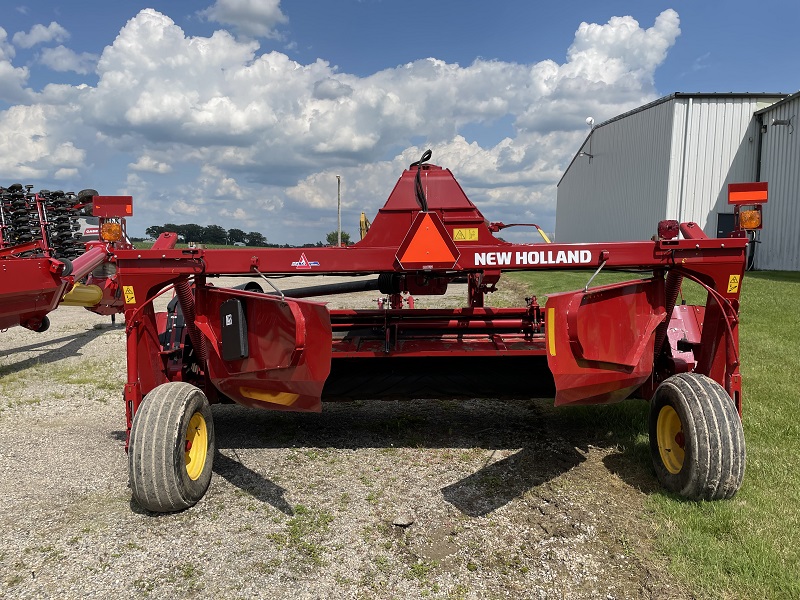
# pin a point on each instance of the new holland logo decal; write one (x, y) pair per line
(304, 263)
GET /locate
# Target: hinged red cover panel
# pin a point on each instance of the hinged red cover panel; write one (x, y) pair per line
(747, 193)
(112, 206)
(600, 343)
(289, 350)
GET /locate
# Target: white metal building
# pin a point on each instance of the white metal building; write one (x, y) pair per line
(673, 159)
(780, 167)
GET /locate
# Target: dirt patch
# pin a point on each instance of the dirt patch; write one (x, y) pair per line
(421, 498)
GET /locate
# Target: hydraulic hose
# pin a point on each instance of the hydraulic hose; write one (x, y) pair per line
(418, 190)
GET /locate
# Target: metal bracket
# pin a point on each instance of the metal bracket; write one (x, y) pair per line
(272, 285)
(588, 283)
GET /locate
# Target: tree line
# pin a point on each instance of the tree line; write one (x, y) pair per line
(211, 234)
(215, 234)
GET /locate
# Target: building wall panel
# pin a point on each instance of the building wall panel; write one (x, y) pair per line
(780, 167)
(620, 193)
(720, 146)
(671, 160)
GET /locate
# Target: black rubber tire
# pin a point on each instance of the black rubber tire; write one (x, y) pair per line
(67, 266)
(157, 469)
(44, 325)
(714, 447)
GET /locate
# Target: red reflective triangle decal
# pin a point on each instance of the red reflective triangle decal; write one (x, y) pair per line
(428, 246)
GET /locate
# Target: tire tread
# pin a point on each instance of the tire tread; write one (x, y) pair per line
(715, 448)
(155, 480)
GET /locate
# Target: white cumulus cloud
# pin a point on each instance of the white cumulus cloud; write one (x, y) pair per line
(205, 127)
(63, 59)
(257, 18)
(31, 146)
(40, 34)
(12, 79)
(150, 165)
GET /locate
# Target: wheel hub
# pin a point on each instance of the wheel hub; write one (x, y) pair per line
(671, 440)
(196, 446)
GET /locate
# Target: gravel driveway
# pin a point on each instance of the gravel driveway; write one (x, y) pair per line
(413, 499)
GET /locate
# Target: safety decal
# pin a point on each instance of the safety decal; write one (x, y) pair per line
(130, 297)
(469, 234)
(733, 284)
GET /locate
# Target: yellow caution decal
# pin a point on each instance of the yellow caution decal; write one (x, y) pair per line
(130, 297)
(733, 283)
(469, 234)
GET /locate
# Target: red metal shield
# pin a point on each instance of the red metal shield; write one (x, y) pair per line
(600, 343)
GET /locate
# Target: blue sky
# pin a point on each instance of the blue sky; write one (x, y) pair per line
(242, 112)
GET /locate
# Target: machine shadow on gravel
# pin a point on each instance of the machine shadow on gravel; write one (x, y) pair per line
(545, 445)
(255, 484)
(54, 353)
(498, 483)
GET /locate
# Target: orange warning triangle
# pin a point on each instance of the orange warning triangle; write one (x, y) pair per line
(427, 245)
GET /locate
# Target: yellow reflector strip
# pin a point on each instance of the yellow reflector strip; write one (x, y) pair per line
(551, 331)
(283, 398)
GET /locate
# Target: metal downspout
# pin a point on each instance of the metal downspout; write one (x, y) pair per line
(684, 161)
(760, 127)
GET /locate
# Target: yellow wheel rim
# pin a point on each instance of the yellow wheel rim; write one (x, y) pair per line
(671, 442)
(196, 446)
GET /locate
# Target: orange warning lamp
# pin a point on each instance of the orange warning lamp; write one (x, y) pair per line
(111, 231)
(747, 200)
(750, 219)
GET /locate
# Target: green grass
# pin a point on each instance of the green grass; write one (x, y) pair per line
(303, 531)
(747, 547)
(73, 378)
(542, 283)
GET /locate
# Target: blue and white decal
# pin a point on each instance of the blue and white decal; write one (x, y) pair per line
(304, 263)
